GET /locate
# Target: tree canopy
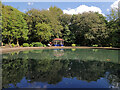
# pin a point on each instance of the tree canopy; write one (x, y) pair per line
(14, 26)
(36, 25)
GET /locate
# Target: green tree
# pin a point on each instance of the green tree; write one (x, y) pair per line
(43, 32)
(14, 26)
(33, 18)
(50, 17)
(67, 35)
(114, 28)
(89, 29)
(56, 12)
(44, 25)
(54, 21)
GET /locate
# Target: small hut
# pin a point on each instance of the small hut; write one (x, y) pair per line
(58, 42)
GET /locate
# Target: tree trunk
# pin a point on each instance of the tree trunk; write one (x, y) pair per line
(2, 44)
(17, 43)
(10, 44)
(40, 40)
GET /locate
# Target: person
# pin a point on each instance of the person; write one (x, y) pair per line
(50, 44)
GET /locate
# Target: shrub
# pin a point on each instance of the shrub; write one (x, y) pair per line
(110, 44)
(25, 45)
(95, 45)
(37, 44)
(78, 45)
(13, 45)
(31, 45)
(44, 45)
(73, 45)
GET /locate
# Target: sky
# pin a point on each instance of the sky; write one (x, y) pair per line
(67, 7)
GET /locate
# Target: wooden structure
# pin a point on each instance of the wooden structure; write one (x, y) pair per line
(58, 42)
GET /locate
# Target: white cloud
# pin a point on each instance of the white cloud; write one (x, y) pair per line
(115, 4)
(30, 3)
(83, 8)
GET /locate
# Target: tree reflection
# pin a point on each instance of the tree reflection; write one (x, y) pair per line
(58, 52)
(44, 68)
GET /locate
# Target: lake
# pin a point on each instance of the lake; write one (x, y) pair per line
(61, 68)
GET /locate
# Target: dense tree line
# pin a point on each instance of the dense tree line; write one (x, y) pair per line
(43, 26)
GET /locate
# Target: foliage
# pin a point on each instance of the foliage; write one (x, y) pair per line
(67, 35)
(43, 32)
(3, 44)
(43, 26)
(31, 45)
(44, 45)
(95, 45)
(25, 45)
(89, 28)
(36, 20)
(14, 26)
(114, 29)
(78, 45)
(37, 44)
(73, 45)
(13, 45)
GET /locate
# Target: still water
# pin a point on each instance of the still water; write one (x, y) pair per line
(61, 68)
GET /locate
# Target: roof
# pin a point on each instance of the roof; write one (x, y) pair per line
(58, 39)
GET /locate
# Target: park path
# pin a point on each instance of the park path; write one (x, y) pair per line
(6, 50)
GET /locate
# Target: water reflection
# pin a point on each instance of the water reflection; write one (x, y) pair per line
(61, 68)
(58, 52)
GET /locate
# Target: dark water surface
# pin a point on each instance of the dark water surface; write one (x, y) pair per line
(58, 68)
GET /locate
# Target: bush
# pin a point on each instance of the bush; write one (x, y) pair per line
(13, 45)
(31, 45)
(95, 45)
(73, 45)
(37, 44)
(25, 45)
(44, 45)
(78, 45)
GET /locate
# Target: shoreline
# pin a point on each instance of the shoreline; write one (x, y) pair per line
(7, 50)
